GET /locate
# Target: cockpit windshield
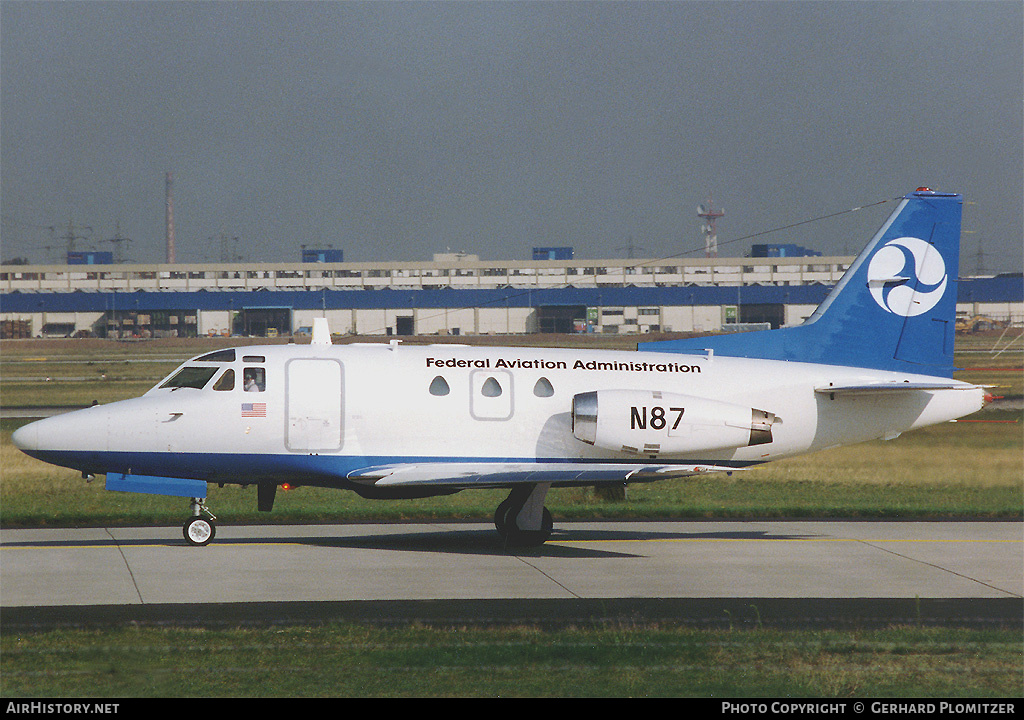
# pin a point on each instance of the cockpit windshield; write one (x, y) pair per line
(217, 356)
(191, 377)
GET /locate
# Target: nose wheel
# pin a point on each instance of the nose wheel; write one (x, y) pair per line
(197, 529)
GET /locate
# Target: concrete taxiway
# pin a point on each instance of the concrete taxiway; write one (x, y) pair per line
(889, 567)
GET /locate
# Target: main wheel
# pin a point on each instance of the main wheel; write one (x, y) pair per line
(501, 516)
(198, 531)
(514, 537)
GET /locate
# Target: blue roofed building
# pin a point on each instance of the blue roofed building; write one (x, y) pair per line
(455, 294)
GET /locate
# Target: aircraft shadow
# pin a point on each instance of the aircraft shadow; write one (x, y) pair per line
(458, 542)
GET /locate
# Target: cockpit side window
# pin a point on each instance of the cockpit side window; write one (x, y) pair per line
(226, 381)
(254, 379)
(191, 377)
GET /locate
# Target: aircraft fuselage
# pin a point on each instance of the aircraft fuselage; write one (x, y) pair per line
(327, 414)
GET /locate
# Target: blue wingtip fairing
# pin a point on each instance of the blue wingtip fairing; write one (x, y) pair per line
(894, 309)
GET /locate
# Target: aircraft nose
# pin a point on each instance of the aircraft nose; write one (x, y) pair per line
(78, 431)
(26, 437)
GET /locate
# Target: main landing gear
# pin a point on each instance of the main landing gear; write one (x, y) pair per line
(521, 519)
(198, 530)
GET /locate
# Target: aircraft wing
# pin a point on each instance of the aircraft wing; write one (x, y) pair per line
(883, 388)
(503, 474)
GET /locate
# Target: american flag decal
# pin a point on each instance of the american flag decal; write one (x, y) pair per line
(254, 409)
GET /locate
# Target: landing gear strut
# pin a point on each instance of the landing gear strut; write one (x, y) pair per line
(197, 530)
(521, 519)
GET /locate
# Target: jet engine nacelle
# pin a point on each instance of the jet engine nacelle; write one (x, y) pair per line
(649, 422)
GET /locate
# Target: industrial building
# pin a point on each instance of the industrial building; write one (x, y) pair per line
(455, 294)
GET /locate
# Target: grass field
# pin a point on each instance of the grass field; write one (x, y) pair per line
(348, 660)
(966, 469)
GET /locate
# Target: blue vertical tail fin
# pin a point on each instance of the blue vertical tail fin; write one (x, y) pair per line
(894, 309)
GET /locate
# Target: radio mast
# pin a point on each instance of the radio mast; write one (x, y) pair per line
(709, 215)
(170, 219)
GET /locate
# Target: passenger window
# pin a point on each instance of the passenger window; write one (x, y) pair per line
(439, 386)
(490, 388)
(254, 379)
(543, 388)
(226, 382)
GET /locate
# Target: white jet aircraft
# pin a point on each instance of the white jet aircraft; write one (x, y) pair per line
(393, 421)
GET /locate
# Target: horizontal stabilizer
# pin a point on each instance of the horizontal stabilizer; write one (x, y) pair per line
(884, 388)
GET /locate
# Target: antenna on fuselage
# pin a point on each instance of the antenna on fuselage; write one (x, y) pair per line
(321, 332)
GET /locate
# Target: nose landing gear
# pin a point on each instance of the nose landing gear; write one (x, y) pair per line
(198, 530)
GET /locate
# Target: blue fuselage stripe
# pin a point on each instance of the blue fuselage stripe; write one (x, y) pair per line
(327, 469)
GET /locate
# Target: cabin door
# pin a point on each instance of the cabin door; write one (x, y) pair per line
(490, 394)
(314, 405)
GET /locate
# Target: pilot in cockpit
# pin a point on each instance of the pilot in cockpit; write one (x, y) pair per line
(254, 380)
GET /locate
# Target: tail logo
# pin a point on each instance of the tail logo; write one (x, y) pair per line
(895, 265)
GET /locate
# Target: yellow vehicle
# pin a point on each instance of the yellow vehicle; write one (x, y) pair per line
(978, 323)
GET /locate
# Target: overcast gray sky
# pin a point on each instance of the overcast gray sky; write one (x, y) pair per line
(395, 130)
